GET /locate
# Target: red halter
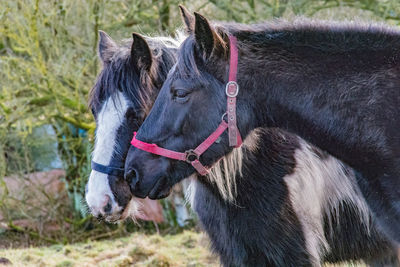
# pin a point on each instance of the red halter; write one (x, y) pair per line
(192, 156)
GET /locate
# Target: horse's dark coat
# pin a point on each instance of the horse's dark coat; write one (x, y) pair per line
(262, 229)
(338, 87)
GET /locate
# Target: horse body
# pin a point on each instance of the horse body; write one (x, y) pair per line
(295, 206)
(363, 77)
(337, 87)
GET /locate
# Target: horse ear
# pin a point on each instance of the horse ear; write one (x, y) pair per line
(207, 39)
(140, 52)
(107, 47)
(188, 19)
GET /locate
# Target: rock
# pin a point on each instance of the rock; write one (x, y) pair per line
(5, 261)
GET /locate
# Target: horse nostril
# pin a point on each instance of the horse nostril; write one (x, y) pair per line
(131, 177)
(108, 207)
(99, 217)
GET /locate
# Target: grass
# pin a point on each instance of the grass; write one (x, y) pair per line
(188, 248)
(185, 249)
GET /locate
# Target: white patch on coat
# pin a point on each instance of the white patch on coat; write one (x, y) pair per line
(109, 120)
(316, 188)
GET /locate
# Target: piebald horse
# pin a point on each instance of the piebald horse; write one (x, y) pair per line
(127, 85)
(276, 200)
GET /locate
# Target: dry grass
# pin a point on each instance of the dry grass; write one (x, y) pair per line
(185, 249)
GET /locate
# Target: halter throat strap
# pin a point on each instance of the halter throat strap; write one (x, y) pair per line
(192, 156)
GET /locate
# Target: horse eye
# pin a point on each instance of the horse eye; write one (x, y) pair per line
(180, 95)
(131, 114)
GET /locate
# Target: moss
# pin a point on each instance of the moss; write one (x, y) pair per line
(124, 262)
(65, 263)
(156, 239)
(189, 242)
(57, 247)
(160, 261)
(5, 261)
(67, 251)
(140, 254)
(39, 253)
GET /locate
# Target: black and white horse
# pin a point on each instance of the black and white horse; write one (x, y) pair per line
(131, 77)
(277, 200)
(335, 85)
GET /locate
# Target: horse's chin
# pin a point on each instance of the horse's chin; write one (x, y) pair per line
(158, 192)
(118, 218)
(130, 211)
(114, 219)
(160, 188)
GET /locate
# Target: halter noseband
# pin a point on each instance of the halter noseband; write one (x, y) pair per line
(192, 156)
(107, 169)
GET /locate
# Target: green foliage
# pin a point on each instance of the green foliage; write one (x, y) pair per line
(48, 63)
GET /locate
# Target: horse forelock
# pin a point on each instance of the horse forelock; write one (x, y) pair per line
(186, 63)
(118, 76)
(139, 86)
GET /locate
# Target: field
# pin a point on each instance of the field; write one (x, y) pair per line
(188, 248)
(185, 249)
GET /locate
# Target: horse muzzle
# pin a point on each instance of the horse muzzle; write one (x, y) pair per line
(145, 175)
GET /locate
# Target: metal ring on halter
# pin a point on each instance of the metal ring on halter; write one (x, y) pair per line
(223, 116)
(227, 89)
(191, 153)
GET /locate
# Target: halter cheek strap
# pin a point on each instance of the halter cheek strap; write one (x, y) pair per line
(192, 156)
(232, 90)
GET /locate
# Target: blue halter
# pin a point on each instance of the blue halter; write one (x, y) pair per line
(107, 169)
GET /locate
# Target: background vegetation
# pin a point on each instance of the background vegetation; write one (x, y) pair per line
(48, 63)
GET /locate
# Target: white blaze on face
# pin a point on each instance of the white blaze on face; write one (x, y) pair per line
(109, 119)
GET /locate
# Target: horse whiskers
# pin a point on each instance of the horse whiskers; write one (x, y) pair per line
(132, 210)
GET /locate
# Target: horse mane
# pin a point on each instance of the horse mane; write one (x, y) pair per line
(328, 36)
(138, 85)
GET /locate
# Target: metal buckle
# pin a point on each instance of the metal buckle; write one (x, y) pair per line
(191, 153)
(230, 83)
(223, 116)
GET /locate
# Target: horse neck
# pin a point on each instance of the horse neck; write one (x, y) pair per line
(268, 151)
(323, 98)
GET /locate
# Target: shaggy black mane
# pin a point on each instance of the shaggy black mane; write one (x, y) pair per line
(122, 75)
(327, 36)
